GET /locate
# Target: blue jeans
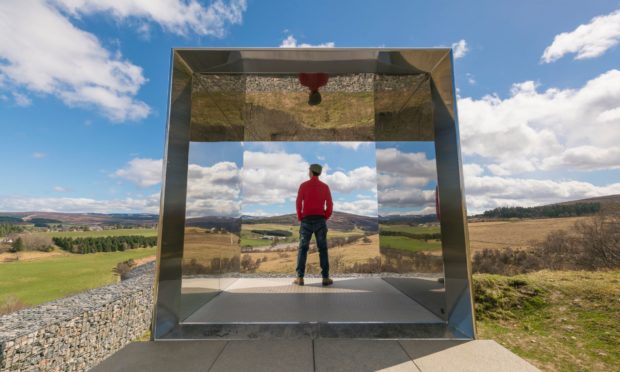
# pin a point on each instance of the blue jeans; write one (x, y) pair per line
(318, 227)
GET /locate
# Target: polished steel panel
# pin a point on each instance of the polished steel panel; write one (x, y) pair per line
(455, 240)
(172, 206)
(229, 95)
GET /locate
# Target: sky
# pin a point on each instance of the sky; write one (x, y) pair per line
(84, 89)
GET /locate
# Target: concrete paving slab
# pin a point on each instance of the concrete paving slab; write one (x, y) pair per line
(268, 356)
(163, 356)
(361, 355)
(276, 300)
(464, 356)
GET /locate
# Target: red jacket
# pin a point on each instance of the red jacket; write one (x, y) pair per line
(314, 194)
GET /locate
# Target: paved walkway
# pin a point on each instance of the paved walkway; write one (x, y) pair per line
(277, 300)
(300, 355)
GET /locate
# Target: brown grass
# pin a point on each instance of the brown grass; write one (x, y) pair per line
(203, 247)
(350, 254)
(517, 233)
(31, 255)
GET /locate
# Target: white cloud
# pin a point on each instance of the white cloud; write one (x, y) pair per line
(470, 79)
(572, 129)
(21, 99)
(60, 189)
(402, 179)
(353, 145)
(38, 155)
(175, 16)
(362, 178)
(460, 49)
(274, 178)
(291, 42)
(586, 41)
(364, 207)
(43, 52)
(142, 171)
(149, 204)
(488, 192)
(214, 190)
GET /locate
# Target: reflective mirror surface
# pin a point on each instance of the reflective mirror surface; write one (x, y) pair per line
(244, 126)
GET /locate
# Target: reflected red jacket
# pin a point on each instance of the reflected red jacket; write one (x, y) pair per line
(314, 198)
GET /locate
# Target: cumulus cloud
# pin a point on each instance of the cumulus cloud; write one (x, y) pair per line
(274, 178)
(214, 190)
(175, 16)
(60, 189)
(364, 207)
(44, 52)
(149, 204)
(460, 49)
(291, 42)
(21, 99)
(403, 180)
(586, 41)
(353, 145)
(141, 171)
(536, 129)
(488, 192)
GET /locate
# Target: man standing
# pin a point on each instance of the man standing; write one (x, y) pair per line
(314, 207)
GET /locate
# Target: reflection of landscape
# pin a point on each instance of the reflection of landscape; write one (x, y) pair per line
(360, 106)
(357, 244)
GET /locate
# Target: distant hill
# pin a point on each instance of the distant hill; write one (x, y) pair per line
(137, 219)
(408, 219)
(338, 221)
(232, 224)
(609, 203)
(574, 208)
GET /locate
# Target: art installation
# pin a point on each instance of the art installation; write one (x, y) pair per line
(223, 274)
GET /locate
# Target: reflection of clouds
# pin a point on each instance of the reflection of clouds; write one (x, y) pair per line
(403, 181)
(274, 178)
(213, 190)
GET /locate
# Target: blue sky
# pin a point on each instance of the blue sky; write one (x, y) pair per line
(83, 91)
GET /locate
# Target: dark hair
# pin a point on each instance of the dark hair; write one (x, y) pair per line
(315, 98)
(315, 173)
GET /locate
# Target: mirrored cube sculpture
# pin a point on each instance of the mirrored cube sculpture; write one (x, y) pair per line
(403, 273)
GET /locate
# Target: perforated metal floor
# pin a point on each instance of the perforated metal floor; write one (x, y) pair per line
(277, 300)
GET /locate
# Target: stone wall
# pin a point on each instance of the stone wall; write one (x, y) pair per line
(77, 332)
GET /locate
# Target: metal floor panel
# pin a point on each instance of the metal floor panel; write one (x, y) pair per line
(276, 300)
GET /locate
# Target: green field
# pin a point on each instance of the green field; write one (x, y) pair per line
(557, 320)
(116, 232)
(252, 239)
(38, 281)
(407, 244)
(410, 229)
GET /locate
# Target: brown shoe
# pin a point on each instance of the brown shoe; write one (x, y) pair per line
(298, 281)
(327, 281)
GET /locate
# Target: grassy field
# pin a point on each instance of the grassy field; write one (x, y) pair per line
(37, 281)
(407, 244)
(202, 247)
(410, 229)
(517, 233)
(116, 232)
(252, 239)
(348, 255)
(559, 321)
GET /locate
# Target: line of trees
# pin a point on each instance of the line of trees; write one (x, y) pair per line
(589, 245)
(7, 228)
(423, 236)
(104, 243)
(283, 233)
(557, 210)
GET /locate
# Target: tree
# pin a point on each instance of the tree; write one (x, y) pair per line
(18, 245)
